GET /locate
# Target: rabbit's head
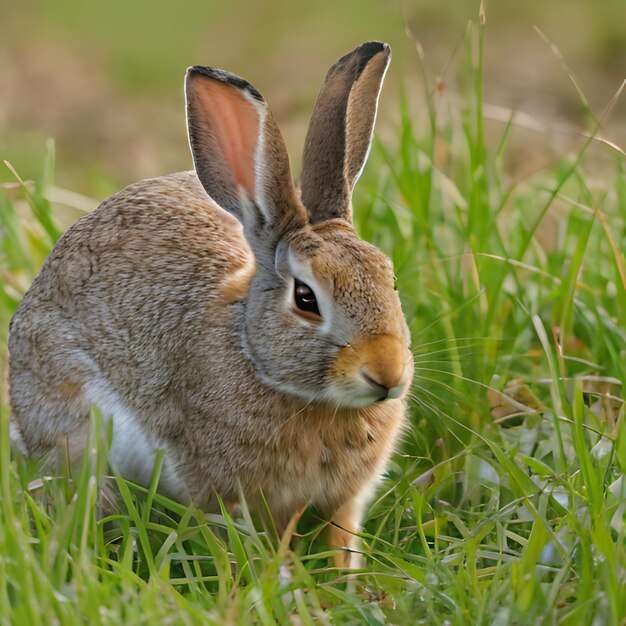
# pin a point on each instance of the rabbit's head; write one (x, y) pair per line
(321, 319)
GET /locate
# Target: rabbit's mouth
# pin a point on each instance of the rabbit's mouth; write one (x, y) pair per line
(361, 392)
(381, 390)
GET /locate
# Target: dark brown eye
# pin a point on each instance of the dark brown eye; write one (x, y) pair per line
(305, 298)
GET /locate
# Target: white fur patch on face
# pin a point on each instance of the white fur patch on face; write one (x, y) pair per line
(352, 395)
(133, 450)
(355, 392)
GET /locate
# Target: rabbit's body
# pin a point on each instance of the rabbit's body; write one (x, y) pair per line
(252, 334)
(126, 254)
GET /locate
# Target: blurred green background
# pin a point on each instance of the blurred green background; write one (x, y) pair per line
(104, 79)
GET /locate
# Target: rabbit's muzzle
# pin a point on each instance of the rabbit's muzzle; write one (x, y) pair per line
(372, 369)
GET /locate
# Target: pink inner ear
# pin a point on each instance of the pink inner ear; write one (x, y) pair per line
(234, 123)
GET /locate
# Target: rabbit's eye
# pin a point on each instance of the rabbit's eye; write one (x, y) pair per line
(305, 299)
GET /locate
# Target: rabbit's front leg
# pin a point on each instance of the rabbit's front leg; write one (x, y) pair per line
(345, 523)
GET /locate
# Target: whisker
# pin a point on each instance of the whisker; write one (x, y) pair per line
(456, 340)
(460, 349)
(298, 412)
(444, 361)
(426, 391)
(449, 388)
(454, 375)
(442, 414)
(420, 401)
(332, 419)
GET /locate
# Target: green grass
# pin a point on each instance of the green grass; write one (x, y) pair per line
(505, 504)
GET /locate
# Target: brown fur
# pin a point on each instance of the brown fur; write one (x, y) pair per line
(68, 389)
(382, 355)
(235, 286)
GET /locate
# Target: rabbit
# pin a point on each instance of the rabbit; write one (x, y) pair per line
(229, 318)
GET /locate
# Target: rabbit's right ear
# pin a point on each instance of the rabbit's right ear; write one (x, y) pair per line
(239, 154)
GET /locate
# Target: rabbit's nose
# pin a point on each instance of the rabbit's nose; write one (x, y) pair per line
(384, 364)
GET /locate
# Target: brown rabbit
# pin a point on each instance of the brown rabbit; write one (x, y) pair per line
(250, 333)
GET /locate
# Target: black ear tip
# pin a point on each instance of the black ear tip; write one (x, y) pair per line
(225, 77)
(370, 48)
(358, 59)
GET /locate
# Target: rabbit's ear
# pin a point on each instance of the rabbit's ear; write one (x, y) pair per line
(340, 131)
(239, 153)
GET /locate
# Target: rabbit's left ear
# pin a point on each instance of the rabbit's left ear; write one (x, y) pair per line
(340, 131)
